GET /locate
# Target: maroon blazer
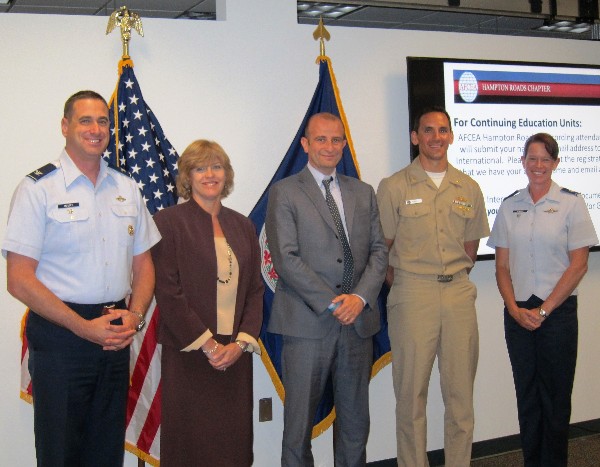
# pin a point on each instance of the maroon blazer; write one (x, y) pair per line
(186, 273)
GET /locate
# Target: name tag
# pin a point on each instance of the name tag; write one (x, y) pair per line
(413, 201)
(68, 205)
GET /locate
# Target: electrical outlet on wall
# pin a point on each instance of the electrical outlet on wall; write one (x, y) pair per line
(265, 409)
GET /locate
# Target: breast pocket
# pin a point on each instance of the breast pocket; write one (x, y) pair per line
(460, 215)
(415, 227)
(68, 230)
(125, 217)
(413, 218)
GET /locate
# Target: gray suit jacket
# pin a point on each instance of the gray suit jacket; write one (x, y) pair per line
(308, 255)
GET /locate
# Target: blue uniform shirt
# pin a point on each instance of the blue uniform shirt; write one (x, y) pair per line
(83, 236)
(540, 236)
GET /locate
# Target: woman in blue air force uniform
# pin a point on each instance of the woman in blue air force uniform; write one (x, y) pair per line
(542, 236)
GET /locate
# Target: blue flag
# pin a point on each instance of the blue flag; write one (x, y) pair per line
(325, 99)
(138, 144)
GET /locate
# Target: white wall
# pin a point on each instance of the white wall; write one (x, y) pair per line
(246, 82)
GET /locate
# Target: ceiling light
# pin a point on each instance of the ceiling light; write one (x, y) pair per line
(575, 27)
(581, 29)
(327, 10)
(313, 12)
(332, 14)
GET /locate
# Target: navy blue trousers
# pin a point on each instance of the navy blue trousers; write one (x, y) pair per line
(543, 364)
(79, 395)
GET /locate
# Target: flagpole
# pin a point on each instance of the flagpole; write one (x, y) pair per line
(125, 19)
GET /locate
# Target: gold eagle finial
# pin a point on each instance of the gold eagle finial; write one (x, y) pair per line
(127, 20)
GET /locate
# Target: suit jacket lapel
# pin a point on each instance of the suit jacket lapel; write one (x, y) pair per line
(349, 200)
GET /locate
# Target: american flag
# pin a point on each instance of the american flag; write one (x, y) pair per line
(139, 146)
(142, 150)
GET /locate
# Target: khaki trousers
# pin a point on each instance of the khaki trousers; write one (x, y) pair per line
(426, 319)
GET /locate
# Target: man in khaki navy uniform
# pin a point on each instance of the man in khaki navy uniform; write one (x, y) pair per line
(433, 217)
(77, 244)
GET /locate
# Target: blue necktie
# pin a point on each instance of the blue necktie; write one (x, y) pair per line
(348, 260)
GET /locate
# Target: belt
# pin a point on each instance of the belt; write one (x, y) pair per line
(436, 277)
(445, 277)
(45, 335)
(91, 311)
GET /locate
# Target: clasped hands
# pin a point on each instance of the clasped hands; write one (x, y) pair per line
(110, 336)
(221, 356)
(350, 306)
(528, 319)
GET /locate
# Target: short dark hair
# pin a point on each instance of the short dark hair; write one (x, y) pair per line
(428, 110)
(547, 140)
(79, 96)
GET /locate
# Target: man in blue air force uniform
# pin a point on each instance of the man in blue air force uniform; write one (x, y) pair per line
(77, 244)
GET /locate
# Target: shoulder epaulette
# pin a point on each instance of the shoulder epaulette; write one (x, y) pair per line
(512, 194)
(571, 192)
(118, 169)
(42, 172)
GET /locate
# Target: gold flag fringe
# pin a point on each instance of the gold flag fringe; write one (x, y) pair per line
(264, 356)
(114, 98)
(23, 394)
(133, 449)
(336, 92)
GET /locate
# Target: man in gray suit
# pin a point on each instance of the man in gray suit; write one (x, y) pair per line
(329, 251)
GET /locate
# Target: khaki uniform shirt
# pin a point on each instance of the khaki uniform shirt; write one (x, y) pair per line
(429, 226)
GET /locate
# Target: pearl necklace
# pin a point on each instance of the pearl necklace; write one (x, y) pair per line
(226, 281)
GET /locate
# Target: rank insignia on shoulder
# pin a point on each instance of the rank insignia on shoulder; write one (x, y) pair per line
(571, 192)
(42, 171)
(512, 194)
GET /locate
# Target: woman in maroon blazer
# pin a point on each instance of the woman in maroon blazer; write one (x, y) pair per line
(210, 295)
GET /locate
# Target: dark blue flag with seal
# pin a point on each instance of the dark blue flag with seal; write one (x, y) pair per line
(325, 99)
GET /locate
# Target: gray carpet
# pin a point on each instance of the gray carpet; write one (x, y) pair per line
(583, 452)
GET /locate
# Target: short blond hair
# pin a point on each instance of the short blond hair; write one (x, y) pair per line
(201, 153)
